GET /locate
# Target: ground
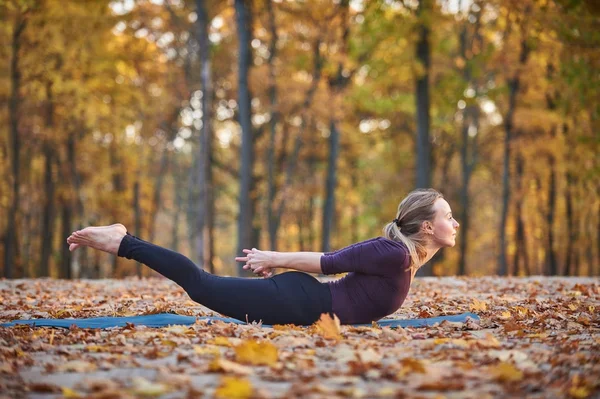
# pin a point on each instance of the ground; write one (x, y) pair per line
(539, 337)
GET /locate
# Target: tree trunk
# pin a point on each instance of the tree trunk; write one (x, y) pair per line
(329, 208)
(551, 264)
(246, 209)
(520, 239)
(571, 230)
(48, 217)
(78, 258)
(159, 179)
(137, 221)
(468, 152)
(336, 85)
(513, 89)
(204, 245)
(10, 258)
(178, 206)
(464, 195)
(274, 118)
(65, 258)
(423, 163)
(423, 53)
(47, 236)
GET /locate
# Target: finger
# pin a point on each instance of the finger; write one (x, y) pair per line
(259, 270)
(246, 251)
(241, 259)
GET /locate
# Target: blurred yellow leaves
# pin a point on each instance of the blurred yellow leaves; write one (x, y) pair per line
(256, 353)
(220, 365)
(143, 387)
(232, 387)
(506, 372)
(329, 328)
(478, 305)
(410, 365)
(77, 366)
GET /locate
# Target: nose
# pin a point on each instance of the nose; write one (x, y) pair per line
(456, 225)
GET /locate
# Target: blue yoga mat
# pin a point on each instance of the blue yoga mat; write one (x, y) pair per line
(166, 319)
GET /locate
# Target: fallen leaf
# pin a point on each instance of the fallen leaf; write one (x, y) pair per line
(220, 341)
(410, 365)
(143, 387)
(506, 372)
(70, 393)
(478, 305)
(78, 366)
(207, 350)
(223, 365)
(329, 328)
(257, 353)
(232, 387)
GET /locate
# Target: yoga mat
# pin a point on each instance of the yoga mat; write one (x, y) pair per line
(166, 319)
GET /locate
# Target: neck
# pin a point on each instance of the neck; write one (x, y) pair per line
(431, 250)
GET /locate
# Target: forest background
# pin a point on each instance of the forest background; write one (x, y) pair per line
(211, 126)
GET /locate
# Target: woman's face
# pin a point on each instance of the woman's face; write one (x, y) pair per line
(444, 227)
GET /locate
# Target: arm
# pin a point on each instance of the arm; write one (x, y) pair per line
(261, 262)
(309, 262)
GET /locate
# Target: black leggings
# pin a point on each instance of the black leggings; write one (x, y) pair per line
(286, 298)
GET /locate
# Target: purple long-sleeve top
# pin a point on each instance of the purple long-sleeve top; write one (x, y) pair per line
(377, 283)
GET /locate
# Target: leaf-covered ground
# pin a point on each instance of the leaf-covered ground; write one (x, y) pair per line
(538, 338)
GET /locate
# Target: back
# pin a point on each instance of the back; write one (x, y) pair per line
(377, 283)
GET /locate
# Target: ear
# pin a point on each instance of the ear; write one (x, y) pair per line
(427, 227)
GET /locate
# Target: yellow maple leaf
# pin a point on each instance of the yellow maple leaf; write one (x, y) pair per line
(328, 327)
(257, 353)
(506, 372)
(505, 315)
(478, 305)
(232, 387)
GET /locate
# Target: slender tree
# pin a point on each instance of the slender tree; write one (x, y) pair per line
(204, 244)
(243, 10)
(14, 105)
(514, 84)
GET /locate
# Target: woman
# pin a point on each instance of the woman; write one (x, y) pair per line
(380, 270)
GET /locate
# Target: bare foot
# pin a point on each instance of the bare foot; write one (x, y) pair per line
(104, 238)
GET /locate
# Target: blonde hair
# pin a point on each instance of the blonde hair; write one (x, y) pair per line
(415, 209)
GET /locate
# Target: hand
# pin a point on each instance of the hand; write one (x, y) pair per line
(260, 262)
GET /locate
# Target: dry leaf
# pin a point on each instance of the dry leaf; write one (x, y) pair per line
(223, 365)
(506, 372)
(70, 393)
(478, 305)
(329, 328)
(257, 353)
(410, 365)
(220, 341)
(143, 387)
(78, 366)
(232, 387)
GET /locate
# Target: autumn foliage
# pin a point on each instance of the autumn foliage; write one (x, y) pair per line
(102, 122)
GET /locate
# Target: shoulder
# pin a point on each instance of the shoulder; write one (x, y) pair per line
(397, 248)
